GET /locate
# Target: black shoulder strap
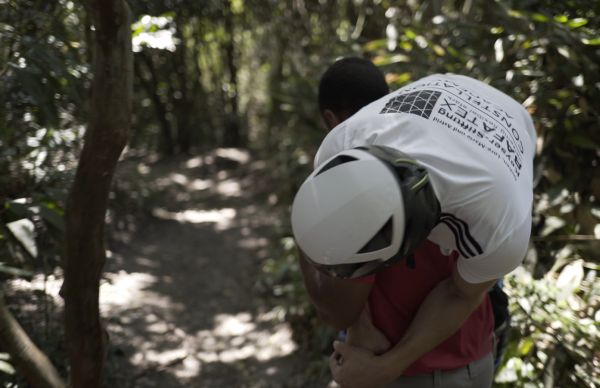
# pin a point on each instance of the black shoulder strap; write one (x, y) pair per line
(421, 205)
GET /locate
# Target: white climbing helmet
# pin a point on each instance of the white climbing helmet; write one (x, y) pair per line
(350, 215)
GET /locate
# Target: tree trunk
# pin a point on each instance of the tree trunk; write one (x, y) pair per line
(276, 79)
(27, 358)
(233, 135)
(106, 135)
(182, 104)
(151, 87)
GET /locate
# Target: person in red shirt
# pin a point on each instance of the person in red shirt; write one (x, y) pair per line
(440, 326)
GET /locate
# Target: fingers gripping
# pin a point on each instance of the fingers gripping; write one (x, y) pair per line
(341, 353)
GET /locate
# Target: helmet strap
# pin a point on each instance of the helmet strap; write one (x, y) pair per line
(421, 206)
(410, 261)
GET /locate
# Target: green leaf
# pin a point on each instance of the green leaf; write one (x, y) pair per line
(515, 14)
(53, 217)
(375, 45)
(12, 271)
(582, 141)
(576, 23)
(169, 14)
(24, 231)
(525, 346)
(237, 6)
(561, 18)
(570, 279)
(389, 59)
(410, 34)
(406, 46)
(398, 79)
(453, 51)
(538, 17)
(7, 368)
(591, 42)
(439, 50)
(552, 224)
(18, 207)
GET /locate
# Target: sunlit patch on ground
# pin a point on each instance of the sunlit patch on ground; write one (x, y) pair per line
(237, 337)
(178, 296)
(235, 154)
(223, 186)
(221, 217)
(175, 312)
(229, 188)
(129, 290)
(51, 286)
(232, 338)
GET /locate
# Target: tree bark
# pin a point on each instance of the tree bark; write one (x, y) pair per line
(233, 135)
(105, 138)
(27, 358)
(276, 79)
(151, 87)
(183, 105)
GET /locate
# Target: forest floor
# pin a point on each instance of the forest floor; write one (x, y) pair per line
(187, 239)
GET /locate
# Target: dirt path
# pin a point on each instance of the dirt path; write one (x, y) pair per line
(180, 295)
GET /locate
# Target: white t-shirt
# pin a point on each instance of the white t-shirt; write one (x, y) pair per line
(478, 145)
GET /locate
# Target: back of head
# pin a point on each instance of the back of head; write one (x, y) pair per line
(350, 84)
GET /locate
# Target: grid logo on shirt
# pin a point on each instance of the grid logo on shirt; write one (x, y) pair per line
(419, 103)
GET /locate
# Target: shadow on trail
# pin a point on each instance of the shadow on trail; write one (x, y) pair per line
(180, 296)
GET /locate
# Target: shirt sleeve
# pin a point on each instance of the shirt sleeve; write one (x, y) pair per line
(333, 143)
(502, 260)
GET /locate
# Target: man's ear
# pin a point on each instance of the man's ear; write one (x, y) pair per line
(331, 119)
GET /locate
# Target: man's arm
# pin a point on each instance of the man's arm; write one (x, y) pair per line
(441, 314)
(339, 303)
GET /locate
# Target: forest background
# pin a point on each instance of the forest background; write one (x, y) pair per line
(215, 78)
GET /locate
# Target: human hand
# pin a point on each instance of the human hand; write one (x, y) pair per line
(364, 334)
(353, 367)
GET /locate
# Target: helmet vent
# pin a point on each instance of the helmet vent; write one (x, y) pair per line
(382, 239)
(336, 162)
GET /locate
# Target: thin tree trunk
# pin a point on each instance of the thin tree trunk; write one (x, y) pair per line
(151, 87)
(27, 358)
(183, 105)
(467, 6)
(233, 136)
(105, 138)
(274, 87)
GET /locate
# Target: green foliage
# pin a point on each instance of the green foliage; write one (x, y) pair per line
(41, 81)
(281, 278)
(546, 55)
(5, 366)
(556, 329)
(548, 60)
(253, 66)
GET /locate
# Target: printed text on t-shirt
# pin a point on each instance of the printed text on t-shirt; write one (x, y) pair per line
(476, 119)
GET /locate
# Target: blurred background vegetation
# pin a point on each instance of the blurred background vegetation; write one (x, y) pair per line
(243, 73)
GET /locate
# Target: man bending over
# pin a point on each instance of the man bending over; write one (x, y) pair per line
(418, 203)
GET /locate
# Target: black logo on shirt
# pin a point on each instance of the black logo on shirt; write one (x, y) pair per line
(480, 120)
(419, 103)
(465, 243)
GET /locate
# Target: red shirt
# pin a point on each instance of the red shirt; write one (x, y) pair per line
(399, 290)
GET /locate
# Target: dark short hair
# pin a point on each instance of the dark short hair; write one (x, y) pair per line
(349, 84)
